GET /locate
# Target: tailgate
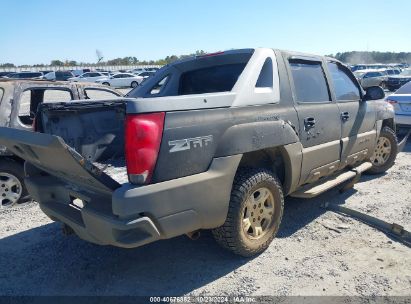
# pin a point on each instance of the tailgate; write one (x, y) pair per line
(51, 154)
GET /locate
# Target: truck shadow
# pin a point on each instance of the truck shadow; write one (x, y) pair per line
(300, 212)
(41, 261)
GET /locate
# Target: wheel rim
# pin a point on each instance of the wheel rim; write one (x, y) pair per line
(382, 152)
(258, 213)
(134, 84)
(10, 189)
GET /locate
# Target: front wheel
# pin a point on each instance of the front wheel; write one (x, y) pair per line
(254, 214)
(134, 84)
(385, 152)
(106, 84)
(12, 188)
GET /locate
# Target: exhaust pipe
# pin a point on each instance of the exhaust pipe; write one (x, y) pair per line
(194, 235)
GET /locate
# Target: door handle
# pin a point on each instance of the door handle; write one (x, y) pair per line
(345, 116)
(309, 122)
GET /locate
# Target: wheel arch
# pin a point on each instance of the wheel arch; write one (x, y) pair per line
(12, 157)
(285, 161)
(389, 122)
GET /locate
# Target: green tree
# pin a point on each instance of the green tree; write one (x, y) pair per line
(57, 63)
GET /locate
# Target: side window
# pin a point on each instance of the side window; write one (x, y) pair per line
(219, 78)
(30, 99)
(309, 81)
(96, 93)
(158, 87)
(118, 76)
(345, 88)
(1, 94)
(57, 96)
(265, 80)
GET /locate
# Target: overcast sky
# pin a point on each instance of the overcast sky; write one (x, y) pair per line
(38, 31)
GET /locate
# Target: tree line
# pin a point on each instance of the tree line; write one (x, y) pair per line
(129, 60)
(356, 57)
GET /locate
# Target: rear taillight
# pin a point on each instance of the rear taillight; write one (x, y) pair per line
(143, 133)
(390, 101)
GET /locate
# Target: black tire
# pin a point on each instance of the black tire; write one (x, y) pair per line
(16, 170)
(134, 84)
(231, 235)
(379, 168)
(106, 84)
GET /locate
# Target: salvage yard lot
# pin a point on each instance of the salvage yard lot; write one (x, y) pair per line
(317, 252)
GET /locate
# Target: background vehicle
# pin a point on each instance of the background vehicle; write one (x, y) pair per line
(210, 142)
(79, 72)
(3, 74)
(395, 82)
(25, 75)
(138, 71)
(369, 78)
(121, 80)
(392, 71)
(58, 75)
(19, 100)
(89, 77)
(401, 100)
(146, 74)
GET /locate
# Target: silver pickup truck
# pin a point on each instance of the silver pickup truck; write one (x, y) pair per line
(209, 142)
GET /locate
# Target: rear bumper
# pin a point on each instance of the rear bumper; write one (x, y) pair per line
(132, 216)
(403, 120)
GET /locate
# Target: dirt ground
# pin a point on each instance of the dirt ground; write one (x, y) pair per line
(317, 252)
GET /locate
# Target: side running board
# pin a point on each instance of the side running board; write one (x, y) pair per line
(315, 189)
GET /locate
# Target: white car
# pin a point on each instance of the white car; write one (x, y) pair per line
(401, 100)
(122, 80)
(146, 74)
(89, 77)
(138, 71)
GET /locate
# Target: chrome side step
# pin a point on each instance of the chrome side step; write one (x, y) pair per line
(317, 188)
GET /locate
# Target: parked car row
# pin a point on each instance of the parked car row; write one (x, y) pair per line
(377, 66)
(390, 79)
(121, 78)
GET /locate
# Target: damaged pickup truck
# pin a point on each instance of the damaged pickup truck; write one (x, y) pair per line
(19, 100)
(211, 142)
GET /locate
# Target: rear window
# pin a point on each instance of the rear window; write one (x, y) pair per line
(221, 78)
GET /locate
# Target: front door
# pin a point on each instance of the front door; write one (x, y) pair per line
(357, 117)
(319, 119)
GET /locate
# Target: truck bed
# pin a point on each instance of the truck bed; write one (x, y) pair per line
(93, 129)
(115, 168)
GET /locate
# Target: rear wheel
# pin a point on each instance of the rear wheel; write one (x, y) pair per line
(385, 152)
(12, 188)
(106, 84)
(134, 84)
(255, 212)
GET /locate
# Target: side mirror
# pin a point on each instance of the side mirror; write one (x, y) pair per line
(374, 93)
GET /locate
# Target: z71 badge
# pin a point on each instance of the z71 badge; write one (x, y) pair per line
(188, 143)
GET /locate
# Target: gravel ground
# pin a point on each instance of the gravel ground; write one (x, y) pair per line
(317, 252)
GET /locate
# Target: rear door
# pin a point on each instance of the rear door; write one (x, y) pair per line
(319, 118)
(357, 117)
